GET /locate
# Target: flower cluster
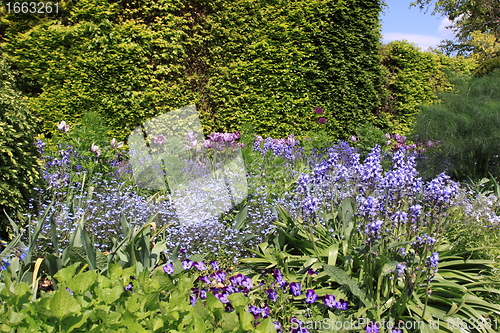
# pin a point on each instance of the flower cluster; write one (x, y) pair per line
(288, 148)
(221, 286)
(396, 142)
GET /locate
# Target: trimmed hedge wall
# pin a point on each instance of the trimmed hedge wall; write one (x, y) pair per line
(268, 62)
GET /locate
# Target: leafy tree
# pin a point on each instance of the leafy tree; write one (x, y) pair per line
(468, 17)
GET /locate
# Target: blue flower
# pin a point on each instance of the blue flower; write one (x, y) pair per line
(272, 294)
(372, 328)
(187, 264)
(329, 300)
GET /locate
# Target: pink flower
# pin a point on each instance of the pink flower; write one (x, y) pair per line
(159, 139)
(321, 120)
(353, 138)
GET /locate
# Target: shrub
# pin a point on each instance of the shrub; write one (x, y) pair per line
(487, 66)
(467, 126)
(412, 78)
(18, 155)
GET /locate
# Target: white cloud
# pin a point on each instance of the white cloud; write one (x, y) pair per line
(443, 31)
(423, 41)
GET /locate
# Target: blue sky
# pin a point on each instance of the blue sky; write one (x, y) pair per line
(400, 22)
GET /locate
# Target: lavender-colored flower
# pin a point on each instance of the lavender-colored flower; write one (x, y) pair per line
(272, 295)
(214, 265)
(329, 300)
(159, 139)
(205, 279)
(200, 265)
(401, 268)
(372, 328)
(311, 296)
(433, 260)
(279, 278)
(223, 297)
(63, 127)
(187, 264)
(396, 330)
(203, 294)
(70, 291)
(353, 138)
(441, 189)
(277, 326)
(295, 288)
(193, 299)
(169, 269)
(342, 304)
(255, 311)
(129, 287)
(40, 145)
(246, 282)
(219, 276)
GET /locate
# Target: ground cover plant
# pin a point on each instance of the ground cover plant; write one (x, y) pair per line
(324, 238)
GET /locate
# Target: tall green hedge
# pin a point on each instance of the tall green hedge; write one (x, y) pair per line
(268, 62)
(18, 155)
(414, 78)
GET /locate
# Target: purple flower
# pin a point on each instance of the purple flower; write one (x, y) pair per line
(396, 330)
(311, 296)
(159, 139)
(219, 276)
(71, 291)
(272, 295)
(295, 288)
(205, 279)
(169, 269)
(321, 120)
(318, 110)
(372, 328)
(433, 260)
(187, 264)
(215, 265)
(279, 278)
(311, 271)
(192, 299)
(342, 304)
(203, 294)
(329, 300)
(401, 267)
(255, 311)
(223, 297)
(277, 326)
(200, 265)
(353, 138)
(129, 287)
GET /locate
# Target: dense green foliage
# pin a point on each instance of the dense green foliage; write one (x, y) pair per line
(466, 125)
(412, 78)
(267, 62)
(487, 66)
(468, 17)
(18, 156)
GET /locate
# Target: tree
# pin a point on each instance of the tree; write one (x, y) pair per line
(469, 17)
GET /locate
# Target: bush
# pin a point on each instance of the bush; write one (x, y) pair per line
(467, 126)
(413, 77)
(18, 155)
(487, 66)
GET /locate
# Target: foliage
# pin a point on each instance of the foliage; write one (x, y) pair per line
(467, 17)
(258, 61)
(465, 124)
(18, 156)
(122, 300)
(380, 239)
(413, 78)
(487, 66)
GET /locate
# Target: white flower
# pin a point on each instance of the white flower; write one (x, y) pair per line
(63, 127)
(116, 145)
(95, 149)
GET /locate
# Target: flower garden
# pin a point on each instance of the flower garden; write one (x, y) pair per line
(331, 237)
